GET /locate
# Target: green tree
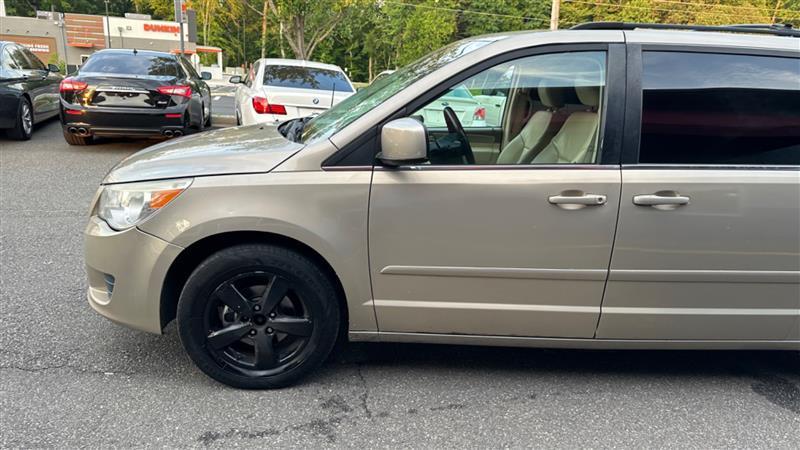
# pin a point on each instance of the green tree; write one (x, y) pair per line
(28, 8)
(306, 23)
(369, 36)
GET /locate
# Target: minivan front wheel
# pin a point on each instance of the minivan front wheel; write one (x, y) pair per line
(258, 316)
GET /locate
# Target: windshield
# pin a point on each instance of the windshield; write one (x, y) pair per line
(306, 78)
(133, 64)
(329, 122)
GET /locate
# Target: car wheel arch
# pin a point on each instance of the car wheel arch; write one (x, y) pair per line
(197, 252)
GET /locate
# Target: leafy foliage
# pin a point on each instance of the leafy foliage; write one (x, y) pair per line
(369, 36)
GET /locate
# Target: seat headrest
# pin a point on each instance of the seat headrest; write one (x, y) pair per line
(552, 97)
(588, 95)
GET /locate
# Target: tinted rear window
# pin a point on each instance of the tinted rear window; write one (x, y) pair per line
(705, 108)
(305, 78)
(151, 65)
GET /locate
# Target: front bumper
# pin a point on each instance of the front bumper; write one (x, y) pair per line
(124, 121)
(126, 270)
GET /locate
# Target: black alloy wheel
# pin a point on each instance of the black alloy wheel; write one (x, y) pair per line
(258, 316)
(256, 323)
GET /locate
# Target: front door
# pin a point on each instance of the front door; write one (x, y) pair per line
(708, 243)
(463, 245)
(35, 79)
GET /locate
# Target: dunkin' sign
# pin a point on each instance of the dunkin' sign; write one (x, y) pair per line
(160, 28)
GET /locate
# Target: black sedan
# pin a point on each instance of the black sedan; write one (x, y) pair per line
(28, 90)
(134, 93)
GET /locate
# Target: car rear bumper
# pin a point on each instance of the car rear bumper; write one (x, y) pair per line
(252, 118)
(99, 121)
(126, 271)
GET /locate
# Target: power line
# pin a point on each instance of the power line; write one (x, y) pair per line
(467, 11)
(752, 8)
(622, 5)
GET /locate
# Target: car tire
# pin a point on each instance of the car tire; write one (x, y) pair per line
(238, 118)
(74, 139)
(208, 118)
(241, 333)
(23, 126)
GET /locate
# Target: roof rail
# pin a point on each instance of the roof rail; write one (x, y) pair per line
(776, 30)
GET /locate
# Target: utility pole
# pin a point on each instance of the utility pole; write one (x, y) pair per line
(179, 18)
(108, 28)
(62, 26)
(555, 10)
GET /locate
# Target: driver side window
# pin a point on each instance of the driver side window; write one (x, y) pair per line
(543, 109)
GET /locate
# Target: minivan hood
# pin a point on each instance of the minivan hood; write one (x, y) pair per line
(250, 149)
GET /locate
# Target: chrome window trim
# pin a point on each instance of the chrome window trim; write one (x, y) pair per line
(790, 167)
(485, 167)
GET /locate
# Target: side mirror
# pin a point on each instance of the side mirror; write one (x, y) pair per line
(205, 75)
(236, 79)
(403, 141)
(53, 68)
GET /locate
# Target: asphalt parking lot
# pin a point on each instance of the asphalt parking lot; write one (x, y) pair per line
(73, 379)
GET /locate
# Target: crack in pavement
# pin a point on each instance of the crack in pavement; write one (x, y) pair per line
(364, 395)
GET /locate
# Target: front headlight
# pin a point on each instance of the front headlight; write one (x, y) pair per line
(125, 205)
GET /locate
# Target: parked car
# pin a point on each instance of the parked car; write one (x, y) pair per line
(134, 93)
(28, 90)
(470, 112)
(641, 191)
(276, 90)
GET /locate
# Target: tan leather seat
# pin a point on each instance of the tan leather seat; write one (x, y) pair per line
(537, 131)
(575, 142)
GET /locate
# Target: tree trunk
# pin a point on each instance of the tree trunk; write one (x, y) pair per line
(300, 34)
(777, 8)
(280, 40)
(264, 30)
(369, 69)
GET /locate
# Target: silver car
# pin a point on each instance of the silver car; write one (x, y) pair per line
(641, 191)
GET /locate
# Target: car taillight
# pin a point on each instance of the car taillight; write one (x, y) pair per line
(480, 114)
(71, 84)
(262, 106)
(181, 91)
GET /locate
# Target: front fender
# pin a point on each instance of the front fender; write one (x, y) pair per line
(326, 211)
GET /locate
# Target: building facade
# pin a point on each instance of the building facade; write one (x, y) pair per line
(73, 37)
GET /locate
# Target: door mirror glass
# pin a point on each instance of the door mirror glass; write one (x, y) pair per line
(236, 79)
(205, 75)
(53, 68)
(403, 141)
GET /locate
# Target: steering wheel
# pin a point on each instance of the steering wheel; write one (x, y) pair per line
(454, 127)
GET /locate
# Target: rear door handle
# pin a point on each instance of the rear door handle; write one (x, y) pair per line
(661, 200)
(576, 200)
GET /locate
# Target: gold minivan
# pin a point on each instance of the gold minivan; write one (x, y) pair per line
(620, 187)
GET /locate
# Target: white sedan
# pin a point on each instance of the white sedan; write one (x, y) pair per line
(276, 90)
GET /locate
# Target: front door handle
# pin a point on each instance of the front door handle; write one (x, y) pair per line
(576, 200)
(661, 200)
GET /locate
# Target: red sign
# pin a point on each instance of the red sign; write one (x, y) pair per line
(162, 28)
